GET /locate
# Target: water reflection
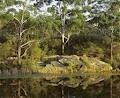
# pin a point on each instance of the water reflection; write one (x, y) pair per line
(80, 86)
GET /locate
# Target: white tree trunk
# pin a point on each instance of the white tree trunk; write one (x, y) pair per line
(63, 43)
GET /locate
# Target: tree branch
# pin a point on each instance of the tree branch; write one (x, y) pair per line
(27, 43)
(67, 39)
(24, 91)
(17, 20)
(58, 31)
(68, 13)
(25, 21)
(25, 52)
(25, 30)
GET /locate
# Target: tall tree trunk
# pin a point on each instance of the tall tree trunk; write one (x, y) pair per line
(63, 32)
(111, 52)
(63, 45)
(111, 46)
(19, 56)
(19, 37)
(19, 48)
(64, 39)
(19, 44)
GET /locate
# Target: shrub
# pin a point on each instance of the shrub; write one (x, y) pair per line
(6, 50)
(34, 56)
(116, 55)
(94, 51)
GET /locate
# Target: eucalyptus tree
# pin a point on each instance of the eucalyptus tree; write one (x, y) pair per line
(71, 14)
(107, 24)
(115, 24)
(21, 31)
(23, 23)
(64, 19)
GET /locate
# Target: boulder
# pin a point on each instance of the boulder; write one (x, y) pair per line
(57, 64)
(100, 65)
(51, 58)
(14, 71)
(53, 69)
(6, 72)
(0, 72)
(70, 60)
(25, 71)
(93, 64)
(75, 63)
(48, 65)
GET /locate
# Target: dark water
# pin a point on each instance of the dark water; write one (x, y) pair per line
(51, 86)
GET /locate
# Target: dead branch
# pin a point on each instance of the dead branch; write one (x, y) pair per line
(68, 38)
(25, 52)
(27, 43)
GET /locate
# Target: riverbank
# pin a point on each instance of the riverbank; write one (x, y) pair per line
(62, 65)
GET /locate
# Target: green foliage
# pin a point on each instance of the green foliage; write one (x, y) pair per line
(9, 2)
(6, 51)
(116, 55)
(53, 70)
(90, 37)
(4, 19)
(34, 55)
(51, 52)
(86, 61)
(94, 51)
(75, 24)
(94, 65)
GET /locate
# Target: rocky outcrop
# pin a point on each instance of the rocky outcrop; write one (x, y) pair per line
(62, 65)
(94, 65)
(15, 71)
(69, 60)
(75, 63)
(57, 64)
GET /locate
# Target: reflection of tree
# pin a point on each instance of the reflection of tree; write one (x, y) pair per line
(35, 87)
(78, 81)
(11, 88)
(111, 87)
(75, 81)
(21, 91)
(62, 87)
(93, 79)
(115, 86)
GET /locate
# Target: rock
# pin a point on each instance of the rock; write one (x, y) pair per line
(70, 60)
(22, 71)
(14, 71)
(75, 63)
(42, 63)
(93, 64)
(0, 72)
(100, 65)
(48, 65)
(6, 72)
(53, 69)
(51, 58)
(25, 71)
(57, 64)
